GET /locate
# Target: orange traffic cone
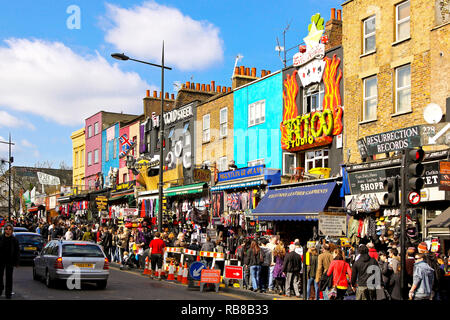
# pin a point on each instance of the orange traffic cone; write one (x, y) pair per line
(184, 280)
(171, 276)
(146, 270)
(180, 273)
(198, 258)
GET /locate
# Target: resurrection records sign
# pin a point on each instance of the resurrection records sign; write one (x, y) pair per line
(395, 140)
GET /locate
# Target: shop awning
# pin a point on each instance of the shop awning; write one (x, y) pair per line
(188, 189)
(301, 203)
(441, 221)
(236, 185)
(119, 196)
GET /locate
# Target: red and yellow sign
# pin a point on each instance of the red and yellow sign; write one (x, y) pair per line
(300, 132)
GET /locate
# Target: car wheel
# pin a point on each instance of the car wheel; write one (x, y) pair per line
(102, 284)
(48, 280)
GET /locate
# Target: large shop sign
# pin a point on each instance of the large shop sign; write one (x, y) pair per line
(395, 140)
(202, 175)
(305, 131)
(241, 173)
(364, 182)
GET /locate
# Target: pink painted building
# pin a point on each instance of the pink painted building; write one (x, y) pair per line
(94, 126)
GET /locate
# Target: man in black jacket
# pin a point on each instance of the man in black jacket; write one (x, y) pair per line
(292, 266)
(9, 258)
(366, 275)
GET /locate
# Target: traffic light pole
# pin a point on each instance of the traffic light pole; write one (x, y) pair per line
(404, 199)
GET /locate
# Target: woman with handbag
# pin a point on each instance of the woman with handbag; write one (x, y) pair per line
(340, 270)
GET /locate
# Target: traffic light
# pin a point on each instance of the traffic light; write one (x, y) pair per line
(414, 170)
(391, 198)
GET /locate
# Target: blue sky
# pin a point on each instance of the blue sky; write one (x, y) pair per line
(54, 76)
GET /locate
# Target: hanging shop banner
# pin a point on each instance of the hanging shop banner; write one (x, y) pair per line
(126, 186)
(241, 173)
(362, 147)
(101, 202)
(47, 179)
(332, 224)
(126, 145)
(444, 175)
(395, 140)
(202, 175)
(371, 181)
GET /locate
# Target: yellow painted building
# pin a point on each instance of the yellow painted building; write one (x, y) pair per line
(396, 62)
(78, 156)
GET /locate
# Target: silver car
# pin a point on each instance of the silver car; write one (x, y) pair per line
(61, 260)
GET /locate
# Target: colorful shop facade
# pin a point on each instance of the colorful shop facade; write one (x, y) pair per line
(311, 142)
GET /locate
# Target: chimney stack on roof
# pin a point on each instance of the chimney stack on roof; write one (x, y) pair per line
(333, 30)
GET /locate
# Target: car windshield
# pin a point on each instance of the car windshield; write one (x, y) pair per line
(29, 238)
(81, 250)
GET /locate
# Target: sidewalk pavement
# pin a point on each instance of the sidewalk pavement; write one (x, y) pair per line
(227, 289)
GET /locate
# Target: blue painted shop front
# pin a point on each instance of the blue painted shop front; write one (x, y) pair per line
(258, 109)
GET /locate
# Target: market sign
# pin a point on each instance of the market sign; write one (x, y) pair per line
(395, 140)
(102, 203)
(202, 175)
(362, 147)
(48, 179)
(332, 224)
(241, 173)
(371, 181)
(444, 175)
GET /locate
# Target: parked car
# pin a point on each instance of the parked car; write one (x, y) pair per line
(58, 259)
(30, 245)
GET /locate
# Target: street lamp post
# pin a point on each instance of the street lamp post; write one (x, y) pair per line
(121, 56)
(10, 160)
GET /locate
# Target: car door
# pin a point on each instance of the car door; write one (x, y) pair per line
(40, 260)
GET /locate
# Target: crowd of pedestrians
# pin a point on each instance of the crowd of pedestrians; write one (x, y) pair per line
(271, 265)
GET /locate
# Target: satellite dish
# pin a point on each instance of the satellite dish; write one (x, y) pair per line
(432, 113)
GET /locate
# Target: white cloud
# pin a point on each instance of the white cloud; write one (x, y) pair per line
(50, 80)
(139, 31)
(8, 120)
(27, 144)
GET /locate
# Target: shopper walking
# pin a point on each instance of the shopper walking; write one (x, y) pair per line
(422, 280)
(279, 277)
(255, 260)
(157, 248)
(323, 263)
(362, 271)
(292, 266)
(311, 274)
(340, 270)
(9, 258)
(271, 246)
(265, 266)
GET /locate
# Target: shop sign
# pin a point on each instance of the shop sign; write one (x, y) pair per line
(332, 224)
(102, 203)
(305, 131)
(178, 115)
(444, 175)
(52, 202)
(126, 186)
(364, 182)
(395, 140)
(241, 173)
(314, 49)
(126, 145)
(47, 179)
(362, 147)
(129, 212)
(202, 175)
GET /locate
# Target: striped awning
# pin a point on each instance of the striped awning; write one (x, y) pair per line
(188, 189)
